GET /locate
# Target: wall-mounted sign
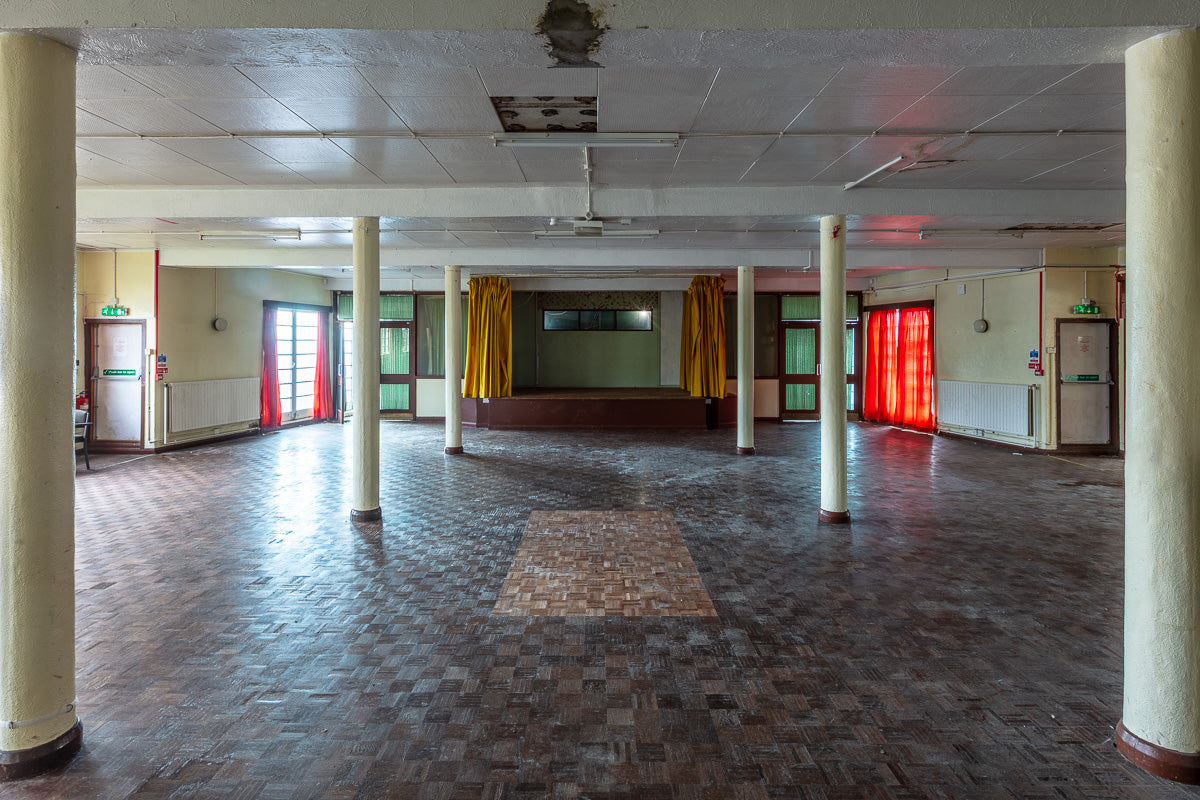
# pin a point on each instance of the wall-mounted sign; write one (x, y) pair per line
(1086, 310)
(1081, 378)
(114, 311)
(120, 373)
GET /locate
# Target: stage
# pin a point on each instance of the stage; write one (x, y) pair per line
(531, 409)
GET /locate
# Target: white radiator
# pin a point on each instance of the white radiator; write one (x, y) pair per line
(209, 404)
(995, 407)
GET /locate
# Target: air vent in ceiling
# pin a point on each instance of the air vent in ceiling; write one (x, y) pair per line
(537, 114)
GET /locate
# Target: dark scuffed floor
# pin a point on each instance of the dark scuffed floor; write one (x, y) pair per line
(238, 637)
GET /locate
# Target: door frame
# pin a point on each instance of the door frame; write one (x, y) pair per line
(408, 379)
(1114, 431)
(784, 414)
(90, 326)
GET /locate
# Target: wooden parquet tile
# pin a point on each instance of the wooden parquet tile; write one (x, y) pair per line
(603, 563)
(238, 637)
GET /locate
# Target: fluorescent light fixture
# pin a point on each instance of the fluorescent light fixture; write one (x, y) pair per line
(585, 139)
(957, 234)
(249, 235)
(873, 172)
(606, 233)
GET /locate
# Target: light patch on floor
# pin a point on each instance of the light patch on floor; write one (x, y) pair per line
(603, 563)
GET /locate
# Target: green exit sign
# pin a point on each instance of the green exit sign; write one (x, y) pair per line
(114, 311)
(120, 373)
(1086, 310)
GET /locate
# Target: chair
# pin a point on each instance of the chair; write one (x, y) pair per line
(81, 431)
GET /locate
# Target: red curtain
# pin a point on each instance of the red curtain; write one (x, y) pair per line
(269, 416)
(898, 385)
(323, 383)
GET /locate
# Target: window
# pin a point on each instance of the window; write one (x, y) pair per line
(766, 335)
(598, 320)
(296, 358)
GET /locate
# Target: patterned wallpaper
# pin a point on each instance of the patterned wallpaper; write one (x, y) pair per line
(598, 300)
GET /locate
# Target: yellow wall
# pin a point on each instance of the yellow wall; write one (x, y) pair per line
(1010, 305)
(94, 290)
(188, 300)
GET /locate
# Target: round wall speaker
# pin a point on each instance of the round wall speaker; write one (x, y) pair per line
(220, 324)
(980, 325)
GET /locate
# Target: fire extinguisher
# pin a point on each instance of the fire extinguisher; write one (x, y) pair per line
(81, 401)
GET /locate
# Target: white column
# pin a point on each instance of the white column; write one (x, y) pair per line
(833, 370)
(453, 361)
(38, 725)
(1160, 726)
(365, 422)
(745, 361)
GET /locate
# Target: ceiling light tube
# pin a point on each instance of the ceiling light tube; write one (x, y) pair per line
(249, 235)
(873, 172)
(608, 233)
(955, 234)
(585, 139)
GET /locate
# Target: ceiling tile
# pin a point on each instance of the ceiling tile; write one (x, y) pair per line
(482, 172)
(96, 82)
(148, 116)
(1016, 80)
(656, 81)
(179, 82)
(1054, 112)
(310, 82)
(733, 83)
(750, 114)
(856, 113)
(949, 112)
(424, 81)
(87, 123)
(134, 152)
(708, 173)
(647, 113)
(809, 148)
(470, 149)
(782, 172)
(1106, 147)
(704, 148)
(297, 151)
(224, 151)
(334, 173)
(447, 114)
(412, 173)
(347, 114)
(106, 171)
(383, 150)
(875, 81)
(248, 115)
(191, 175)
(533, 82)
(270, 173)
(1093, 79)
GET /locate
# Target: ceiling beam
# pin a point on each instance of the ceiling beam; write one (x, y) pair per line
(591, 257)
(808, 202)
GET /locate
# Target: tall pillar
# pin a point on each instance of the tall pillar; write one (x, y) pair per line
(1160, 725)
(365, 387)
(833, 371)
(38, 725)
(745, 362)
(453, 362)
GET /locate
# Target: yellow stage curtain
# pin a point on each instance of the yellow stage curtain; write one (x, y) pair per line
(702, 350)
(489, 338)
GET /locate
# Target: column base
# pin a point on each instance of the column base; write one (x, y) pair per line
(745, 451)
(834, 517)
(372, 515)
(1170, 764)
(454, 451)
(17, 764)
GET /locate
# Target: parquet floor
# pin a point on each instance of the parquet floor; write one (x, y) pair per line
(238, 637)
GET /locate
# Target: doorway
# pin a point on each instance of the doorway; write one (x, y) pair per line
(1087, 389)
(395, 369)
(115, 364)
